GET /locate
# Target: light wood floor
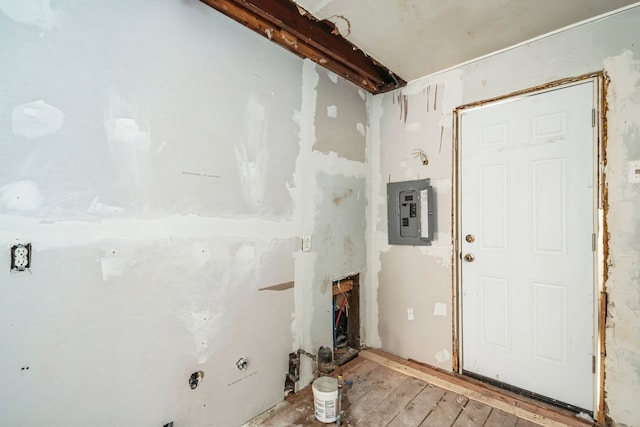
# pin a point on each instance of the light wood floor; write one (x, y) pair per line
(383, 394)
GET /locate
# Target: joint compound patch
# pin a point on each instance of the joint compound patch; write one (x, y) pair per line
(252, 154)
(202, 326)
(439, 309)
(442, 356)
(20, 196)
(360, 129)
(37, 13)
(413, 127)
(332, 111)
(127, 131)
(36, 119)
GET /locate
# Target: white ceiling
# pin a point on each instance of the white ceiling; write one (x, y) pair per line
(414, 38)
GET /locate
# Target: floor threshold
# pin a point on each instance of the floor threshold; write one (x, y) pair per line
(387, 390)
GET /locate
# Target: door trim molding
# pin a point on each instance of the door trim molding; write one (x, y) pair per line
(601, 254)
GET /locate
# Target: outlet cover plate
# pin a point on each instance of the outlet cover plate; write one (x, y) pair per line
(306, 243)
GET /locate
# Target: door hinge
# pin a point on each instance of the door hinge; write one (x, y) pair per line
(593, 364)
(593, 117)
(593, 242)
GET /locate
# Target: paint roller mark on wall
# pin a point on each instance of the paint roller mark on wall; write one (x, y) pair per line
(36, 119)
(20, 196)
(252, 154)
(37, 13)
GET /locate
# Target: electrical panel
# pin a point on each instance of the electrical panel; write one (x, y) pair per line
(410, 212)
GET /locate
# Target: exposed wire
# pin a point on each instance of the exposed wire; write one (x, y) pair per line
(421, 155)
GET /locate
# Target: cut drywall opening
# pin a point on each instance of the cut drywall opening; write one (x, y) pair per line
(346, 318)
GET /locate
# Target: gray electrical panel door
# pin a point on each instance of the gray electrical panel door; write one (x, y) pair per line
(410, 212)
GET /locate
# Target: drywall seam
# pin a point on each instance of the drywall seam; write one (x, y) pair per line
(252, 154)
(66, 234)
(304, 180)
(371, 334)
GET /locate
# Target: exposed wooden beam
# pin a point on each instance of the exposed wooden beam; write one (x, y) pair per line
(291, 27)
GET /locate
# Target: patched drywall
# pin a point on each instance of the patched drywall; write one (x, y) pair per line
(412, 285)
(415, 301)
(608, 44)
(333, 196)
(339, 240)
(341, 127)
(623, 287)
(158, 157)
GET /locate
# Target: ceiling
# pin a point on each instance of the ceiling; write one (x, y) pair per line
(380, 44)
(414, 38)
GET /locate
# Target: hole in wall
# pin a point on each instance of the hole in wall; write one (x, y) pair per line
(195, 378)
(345, 295)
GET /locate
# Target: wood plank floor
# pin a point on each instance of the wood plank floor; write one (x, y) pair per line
(381, 396)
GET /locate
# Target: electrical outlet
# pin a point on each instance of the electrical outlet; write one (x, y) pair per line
(21, 257)
(634, 172)
(306, 243)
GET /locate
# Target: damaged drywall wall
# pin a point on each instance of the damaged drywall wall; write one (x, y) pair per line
(409, 282)
(342, 129)
(164, 193)
(623, 286)
(331, 190)
(608, 44)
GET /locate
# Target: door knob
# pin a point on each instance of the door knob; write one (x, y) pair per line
(470, 238)
(469, 257)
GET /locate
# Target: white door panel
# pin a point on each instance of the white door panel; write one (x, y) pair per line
(527, 199)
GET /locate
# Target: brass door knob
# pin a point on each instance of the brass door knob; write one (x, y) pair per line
(469, 257)
(470, 238)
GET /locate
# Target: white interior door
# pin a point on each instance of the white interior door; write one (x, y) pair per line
(527, 221)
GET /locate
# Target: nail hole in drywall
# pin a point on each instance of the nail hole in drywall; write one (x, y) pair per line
(24, 368)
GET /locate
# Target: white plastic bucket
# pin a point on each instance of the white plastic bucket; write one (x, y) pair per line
(325, 399)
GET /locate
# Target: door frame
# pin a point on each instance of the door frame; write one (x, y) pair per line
(601, 254)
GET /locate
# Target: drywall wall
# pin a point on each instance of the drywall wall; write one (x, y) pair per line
(334, 200)
(345, 127)
(158, 157)
(415, 117)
